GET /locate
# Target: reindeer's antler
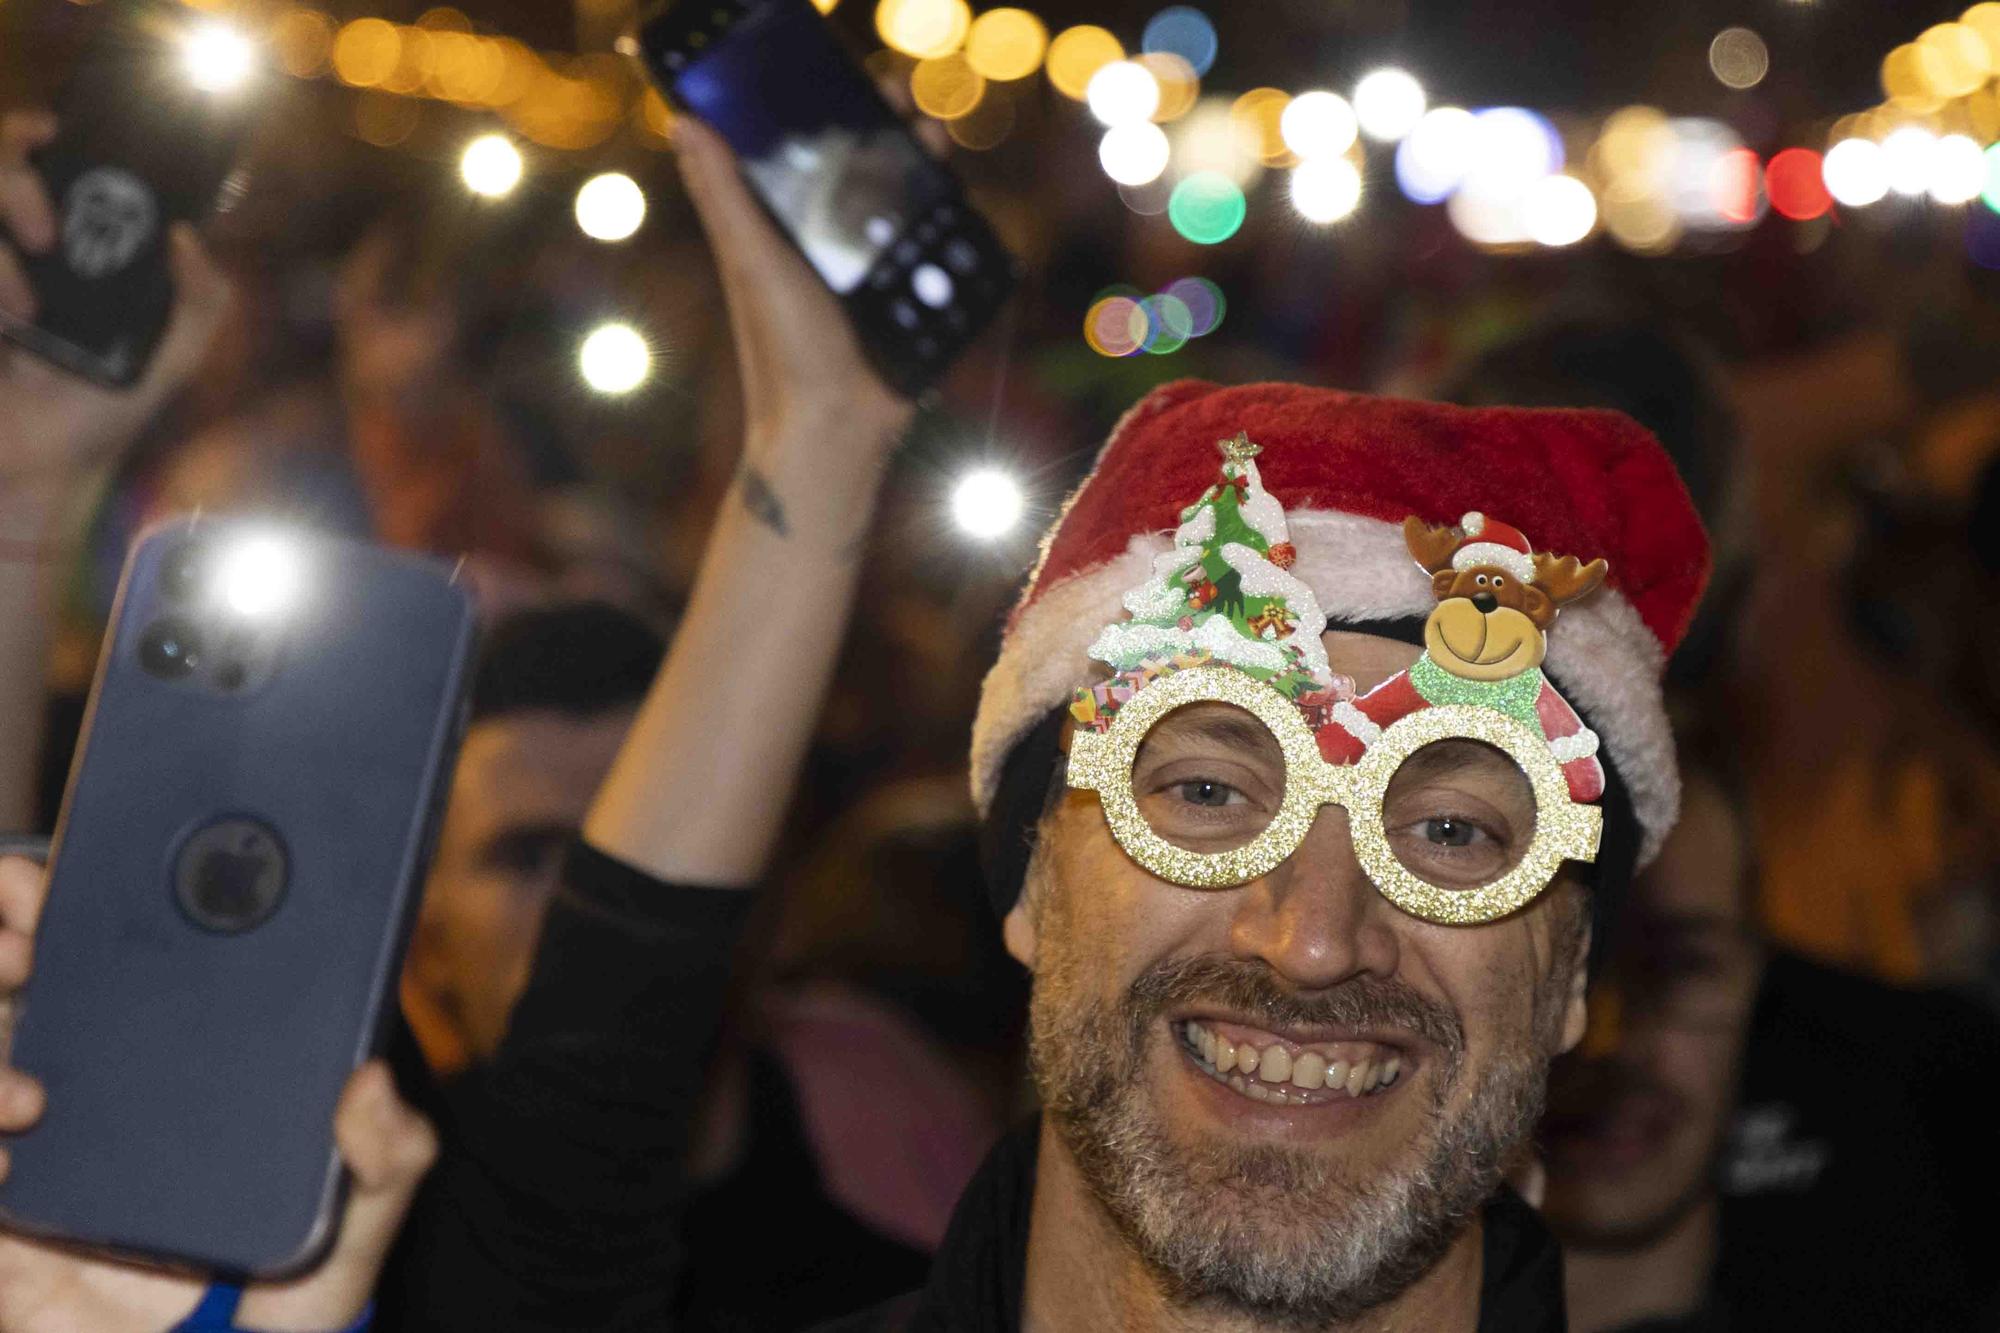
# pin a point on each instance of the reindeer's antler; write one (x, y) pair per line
(1431, 546)
(1565, 578)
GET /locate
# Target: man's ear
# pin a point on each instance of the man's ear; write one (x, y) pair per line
(1576, 1008)
(1017, 931)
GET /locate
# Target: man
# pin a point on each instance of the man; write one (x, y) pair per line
(1714, 1161)
(551, 700)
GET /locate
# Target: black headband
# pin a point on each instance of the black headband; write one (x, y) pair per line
(1033, 773)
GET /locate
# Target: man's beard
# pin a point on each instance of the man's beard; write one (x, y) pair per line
(1292, 1235)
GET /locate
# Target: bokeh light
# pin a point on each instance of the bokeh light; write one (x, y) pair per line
(1184, 31)
(1795, 185)
(1955, 59)
(1958, 170)
(1559, 210)
(1432, 159)
(1511, 149)
(1325, 189)
(1710, 182)
(614, 359)
(923, 28)
(1644, 222)
(1179, 85)
(1318, 124)
(217, 58)
(1388, 103)
(1207, 208)
(1134, 154)
(1906, 156)
(303, 42)
(987, 503)
(1204, 302)
(946, 87)
(1122, 92)
(1856, 172)
(1169, 323)
(1486, 219)
(1738, 58)
(1005, 44)
(1213, 138)
(1077, 54)
(1734, 179)
(365, 52)
(1116, 325)
(610, 207)
(491, 166)
(1991, 193)
(1259, 118)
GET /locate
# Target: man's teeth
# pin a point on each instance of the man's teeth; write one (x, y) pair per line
(1272, 1073)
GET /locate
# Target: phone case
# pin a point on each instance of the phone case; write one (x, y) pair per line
(137, 150)
(233, 879)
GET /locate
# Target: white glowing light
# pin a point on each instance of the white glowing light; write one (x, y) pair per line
(491, 165)
(1318, 124)
(1432, 159)
(1511, 149)
(1122, 92)
(1958, 169)
(1559, 210)
(1388, 103)
(610, 207)
(1906, 156)
(217, 58)
(615, 359)
(1487, 219)
(1134, 154)
(1855, 172)
(987, 503)
(1325, 189)
(258, 575)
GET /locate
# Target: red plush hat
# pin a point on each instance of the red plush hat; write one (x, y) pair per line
(1348, 469)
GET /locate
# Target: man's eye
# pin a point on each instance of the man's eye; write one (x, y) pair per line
(1201, 791)
(1447, 831)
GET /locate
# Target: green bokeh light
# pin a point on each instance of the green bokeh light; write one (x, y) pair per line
(1207, 208)
(1170, 324)
(1991, 194)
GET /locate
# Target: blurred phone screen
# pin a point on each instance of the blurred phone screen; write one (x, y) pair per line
(841, 172)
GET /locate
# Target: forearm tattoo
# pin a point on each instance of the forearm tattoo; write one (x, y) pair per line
(761, 500)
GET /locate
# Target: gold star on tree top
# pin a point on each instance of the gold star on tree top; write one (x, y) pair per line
(1239, 448)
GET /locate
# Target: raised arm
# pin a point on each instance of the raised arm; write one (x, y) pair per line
(698, 791)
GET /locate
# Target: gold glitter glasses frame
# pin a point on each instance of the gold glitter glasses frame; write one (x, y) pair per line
(1565, 829)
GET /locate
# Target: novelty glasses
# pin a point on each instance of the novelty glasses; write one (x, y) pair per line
(1209, 779)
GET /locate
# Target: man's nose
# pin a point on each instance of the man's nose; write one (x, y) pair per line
(1317, 919)
(1485, 601)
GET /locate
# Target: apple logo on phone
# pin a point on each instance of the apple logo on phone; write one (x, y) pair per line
(108, 214)
(230, 875)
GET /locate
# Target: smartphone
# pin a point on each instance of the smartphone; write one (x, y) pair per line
(233, 878)
(149, 127)
(886, 225)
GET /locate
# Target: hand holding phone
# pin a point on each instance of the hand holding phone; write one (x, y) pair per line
(385, 1144)
(54, 426)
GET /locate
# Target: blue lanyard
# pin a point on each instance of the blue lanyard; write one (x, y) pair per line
(217, 1314)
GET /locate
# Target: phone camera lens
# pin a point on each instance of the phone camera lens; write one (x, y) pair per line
(169, 649)
(180, 573)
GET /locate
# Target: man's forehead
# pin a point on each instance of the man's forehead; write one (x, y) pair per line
(1368, 659)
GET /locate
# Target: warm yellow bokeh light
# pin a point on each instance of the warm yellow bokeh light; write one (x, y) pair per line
(491, 166)
(1077, 54)
(365, 52)
(1179, 84)
(1955, 59)
(1006, 44)
(946, 86)
(444, 18)
(825, 6)
(1259, 115)
(923, 28)
(302, 39)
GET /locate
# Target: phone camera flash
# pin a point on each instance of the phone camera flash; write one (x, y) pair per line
(258, 576)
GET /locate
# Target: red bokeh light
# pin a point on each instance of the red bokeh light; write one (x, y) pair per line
(1796, 184)
(1732, 185)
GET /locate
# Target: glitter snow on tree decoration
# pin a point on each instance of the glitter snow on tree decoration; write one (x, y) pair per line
(1223, 592)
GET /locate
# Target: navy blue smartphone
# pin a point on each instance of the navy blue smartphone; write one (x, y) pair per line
(233, 879)
(887, 226)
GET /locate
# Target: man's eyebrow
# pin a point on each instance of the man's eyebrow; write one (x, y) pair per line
(1231, 728)
(1440, 758)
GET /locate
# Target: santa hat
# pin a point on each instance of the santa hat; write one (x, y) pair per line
(1348, 469)
(1489, 542)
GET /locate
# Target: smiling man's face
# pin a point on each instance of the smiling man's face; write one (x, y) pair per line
(1289, 1097)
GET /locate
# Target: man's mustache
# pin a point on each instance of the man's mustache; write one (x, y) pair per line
(1253, 990)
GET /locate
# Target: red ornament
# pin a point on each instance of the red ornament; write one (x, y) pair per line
(1201, 594)
(1283, 554)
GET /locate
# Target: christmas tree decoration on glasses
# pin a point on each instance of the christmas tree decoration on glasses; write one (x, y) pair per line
(1467, 779)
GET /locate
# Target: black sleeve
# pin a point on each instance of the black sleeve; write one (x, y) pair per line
(557, 1199)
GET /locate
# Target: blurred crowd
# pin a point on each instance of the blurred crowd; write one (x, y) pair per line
(1797, 1007)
